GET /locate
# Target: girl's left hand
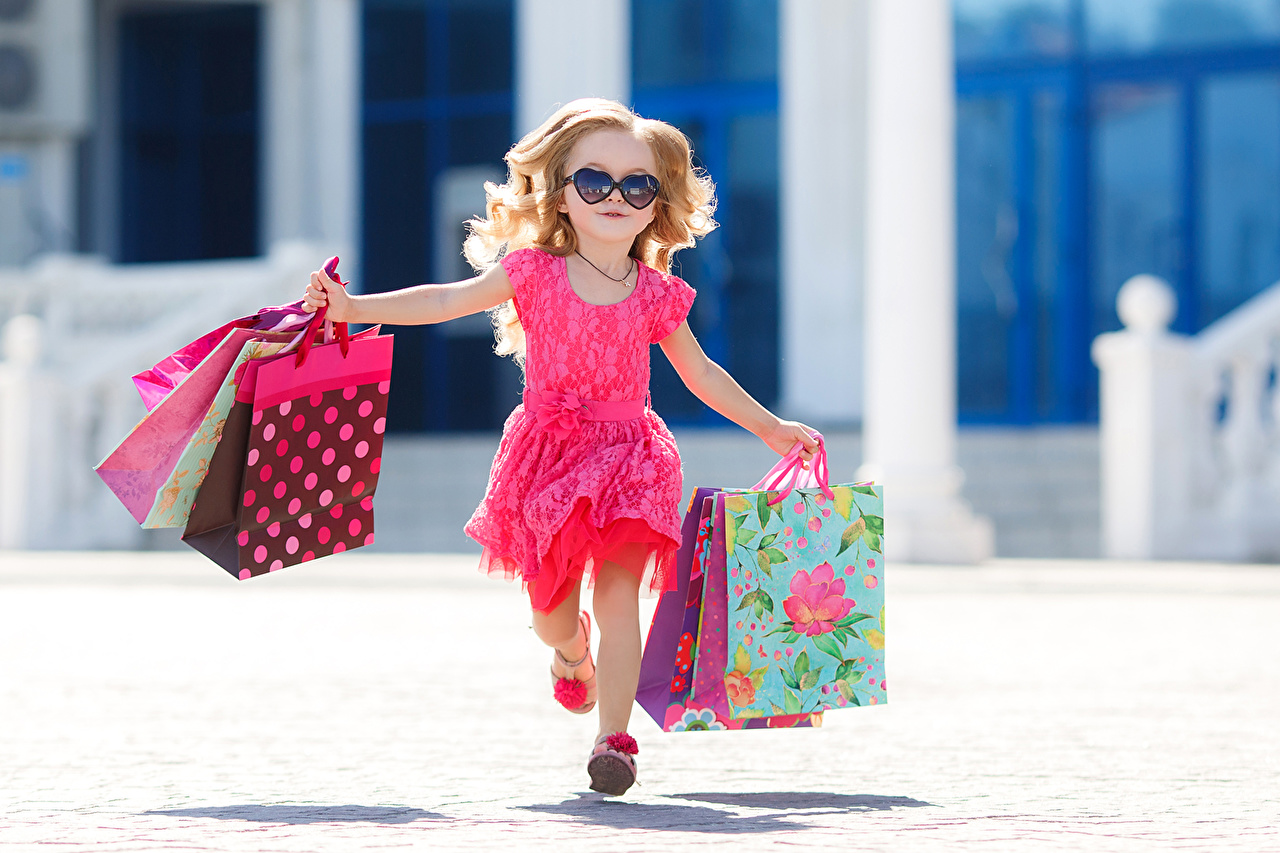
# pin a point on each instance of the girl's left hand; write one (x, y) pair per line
(784, 436)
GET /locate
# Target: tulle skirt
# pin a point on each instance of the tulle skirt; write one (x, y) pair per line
(556, 510)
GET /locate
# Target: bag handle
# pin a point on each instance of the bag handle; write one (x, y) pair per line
(330, 328)
(790, 473)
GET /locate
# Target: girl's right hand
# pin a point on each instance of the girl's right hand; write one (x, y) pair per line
(325, 291)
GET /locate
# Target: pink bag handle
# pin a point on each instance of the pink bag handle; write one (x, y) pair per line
(790, 473)
(308, 337)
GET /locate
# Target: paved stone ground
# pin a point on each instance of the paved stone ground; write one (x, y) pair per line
(148, 702)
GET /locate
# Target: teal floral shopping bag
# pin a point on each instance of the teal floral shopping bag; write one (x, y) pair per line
(805, 565)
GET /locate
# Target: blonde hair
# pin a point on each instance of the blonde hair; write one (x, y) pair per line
(524, 213)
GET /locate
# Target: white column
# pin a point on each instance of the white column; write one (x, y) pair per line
(26, 479)
(568, 49)
(312, 141)
(909, 419)
(285, 126)
(336, 125)
(1146, 423)
(821, 92)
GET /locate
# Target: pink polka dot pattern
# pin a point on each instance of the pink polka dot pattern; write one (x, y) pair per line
(332, 441)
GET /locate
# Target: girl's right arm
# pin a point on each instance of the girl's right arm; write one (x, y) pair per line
(412, 306)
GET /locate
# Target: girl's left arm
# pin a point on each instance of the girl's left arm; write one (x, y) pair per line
(713, 385)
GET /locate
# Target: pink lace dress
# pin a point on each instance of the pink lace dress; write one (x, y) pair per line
(566, 492)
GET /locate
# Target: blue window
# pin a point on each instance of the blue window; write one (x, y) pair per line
(1095, 141)
(711, 69)
(437, 122)
(189, 131)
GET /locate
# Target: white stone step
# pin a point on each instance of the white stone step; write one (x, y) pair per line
(1039, 486)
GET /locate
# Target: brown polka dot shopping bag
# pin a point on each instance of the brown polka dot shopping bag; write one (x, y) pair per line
(295, 472)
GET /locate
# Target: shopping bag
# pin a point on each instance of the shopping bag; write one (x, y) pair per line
(294, 475)
(709, 678)
(212, 524)
(805, 593)
(654, 689)
(140, 466)
(712, 686)
(671, 650)
(174, 500)
(155, 383)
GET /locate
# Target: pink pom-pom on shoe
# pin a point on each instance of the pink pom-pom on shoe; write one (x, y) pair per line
(570, 692)
(622, 742)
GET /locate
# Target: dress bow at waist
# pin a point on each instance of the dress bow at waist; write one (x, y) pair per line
(562, 414)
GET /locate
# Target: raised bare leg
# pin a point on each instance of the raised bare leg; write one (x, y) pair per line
(573, 673)
(559, 628)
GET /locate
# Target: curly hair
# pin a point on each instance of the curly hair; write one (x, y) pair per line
(524, 213)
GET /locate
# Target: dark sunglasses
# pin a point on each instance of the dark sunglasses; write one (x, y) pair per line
(594, 186)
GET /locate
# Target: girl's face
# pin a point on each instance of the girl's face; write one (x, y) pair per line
(612, 221)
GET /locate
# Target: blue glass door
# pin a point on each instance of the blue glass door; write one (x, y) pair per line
(438, 80)
(1076, 172)
(189, 130)
(1019, 251)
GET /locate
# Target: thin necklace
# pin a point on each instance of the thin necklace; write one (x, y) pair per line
(622, 280)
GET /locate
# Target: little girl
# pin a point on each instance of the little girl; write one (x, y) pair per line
(586, 483)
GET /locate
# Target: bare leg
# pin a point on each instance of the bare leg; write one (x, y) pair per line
(559, 630)
(617, 607)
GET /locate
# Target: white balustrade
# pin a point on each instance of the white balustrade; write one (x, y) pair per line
(73, 330)
(1190, 430)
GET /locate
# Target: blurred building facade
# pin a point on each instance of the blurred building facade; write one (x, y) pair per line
(1096, 141)
(1093, 140)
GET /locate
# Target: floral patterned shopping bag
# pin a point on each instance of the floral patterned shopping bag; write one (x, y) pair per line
(805, 594)
(671, 652)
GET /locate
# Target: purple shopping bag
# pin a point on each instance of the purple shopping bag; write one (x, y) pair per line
(654, 689)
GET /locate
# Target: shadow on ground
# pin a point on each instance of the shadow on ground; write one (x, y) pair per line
(809, 801)
(597, 810)
(305, 814)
